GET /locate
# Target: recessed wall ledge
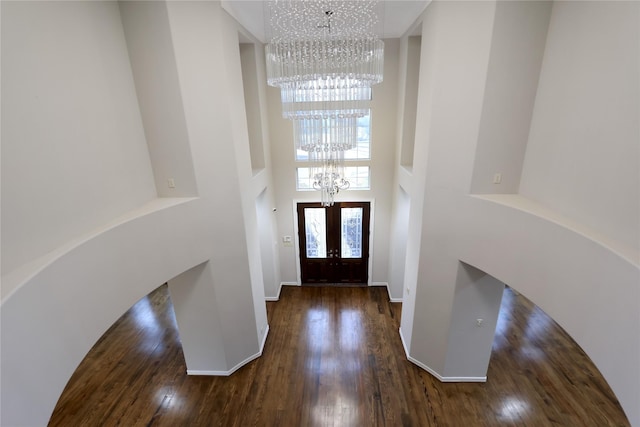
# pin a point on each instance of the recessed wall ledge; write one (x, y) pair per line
(405, 174)
(408, 169)
(258, 171)
(259, 181)
(17, 277)
(522, 203)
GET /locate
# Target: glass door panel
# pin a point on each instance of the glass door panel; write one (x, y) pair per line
(351, 232)
(315, 225)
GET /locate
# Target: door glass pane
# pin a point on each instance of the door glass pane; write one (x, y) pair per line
(315, 225)
(351, 233)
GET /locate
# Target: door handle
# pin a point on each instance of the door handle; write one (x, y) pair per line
(332, 253)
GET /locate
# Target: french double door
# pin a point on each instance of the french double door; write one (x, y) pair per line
(334, 242)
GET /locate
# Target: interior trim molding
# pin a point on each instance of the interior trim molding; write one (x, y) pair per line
(235, 368)
(277, 297)
(264, 339)
(386, 284)
(289, 284)
(434, 373)
(404, 344)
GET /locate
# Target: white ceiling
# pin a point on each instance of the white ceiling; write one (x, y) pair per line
(398, 15)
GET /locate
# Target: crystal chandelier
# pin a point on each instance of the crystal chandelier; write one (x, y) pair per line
(324, 56)
(326, 140)
(328, 178)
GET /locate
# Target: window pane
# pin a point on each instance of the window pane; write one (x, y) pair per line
(302, 155)
(362, 150)
(316, 232)
(351, 233)
(358, 177)
(304, 181)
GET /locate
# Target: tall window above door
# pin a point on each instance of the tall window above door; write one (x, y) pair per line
(356, 166)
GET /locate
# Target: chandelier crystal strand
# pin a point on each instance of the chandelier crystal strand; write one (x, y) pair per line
(339, 133)
(323, 43)
(328, 175)
(324, 56)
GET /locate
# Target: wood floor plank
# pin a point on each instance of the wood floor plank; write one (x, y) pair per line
(334, 357)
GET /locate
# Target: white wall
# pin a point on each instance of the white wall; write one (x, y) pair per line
(60, 309)
(383, 135)
(249, 58)
(156, 82)
(384, 106)
(408, 74)
(477, 296)
(206, 247)
(255, 102)
(205, 41)
(566, 256)
(519, 36)
(583, 163)
(412, 180)
(456, 41)
(583, 156)
(398, 244)
(74, 153)
(410, 67)
(268, 245)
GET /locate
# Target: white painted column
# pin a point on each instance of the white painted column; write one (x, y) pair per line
(194, 300)
(196, 126)
(476, 306)
(440, 294)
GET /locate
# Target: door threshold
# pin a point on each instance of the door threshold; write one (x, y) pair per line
(337, 285)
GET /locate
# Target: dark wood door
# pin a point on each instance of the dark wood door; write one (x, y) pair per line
(334, 242)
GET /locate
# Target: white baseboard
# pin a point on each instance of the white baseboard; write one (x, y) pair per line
(404, 344)
(235, 368)
(290, 284)
(209, 373)
(463, 379)
(264, 340)
(385, 284)
(277, 298)
(225, 373)
(434, 373)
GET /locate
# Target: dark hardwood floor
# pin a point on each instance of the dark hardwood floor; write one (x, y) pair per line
(334, 358)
